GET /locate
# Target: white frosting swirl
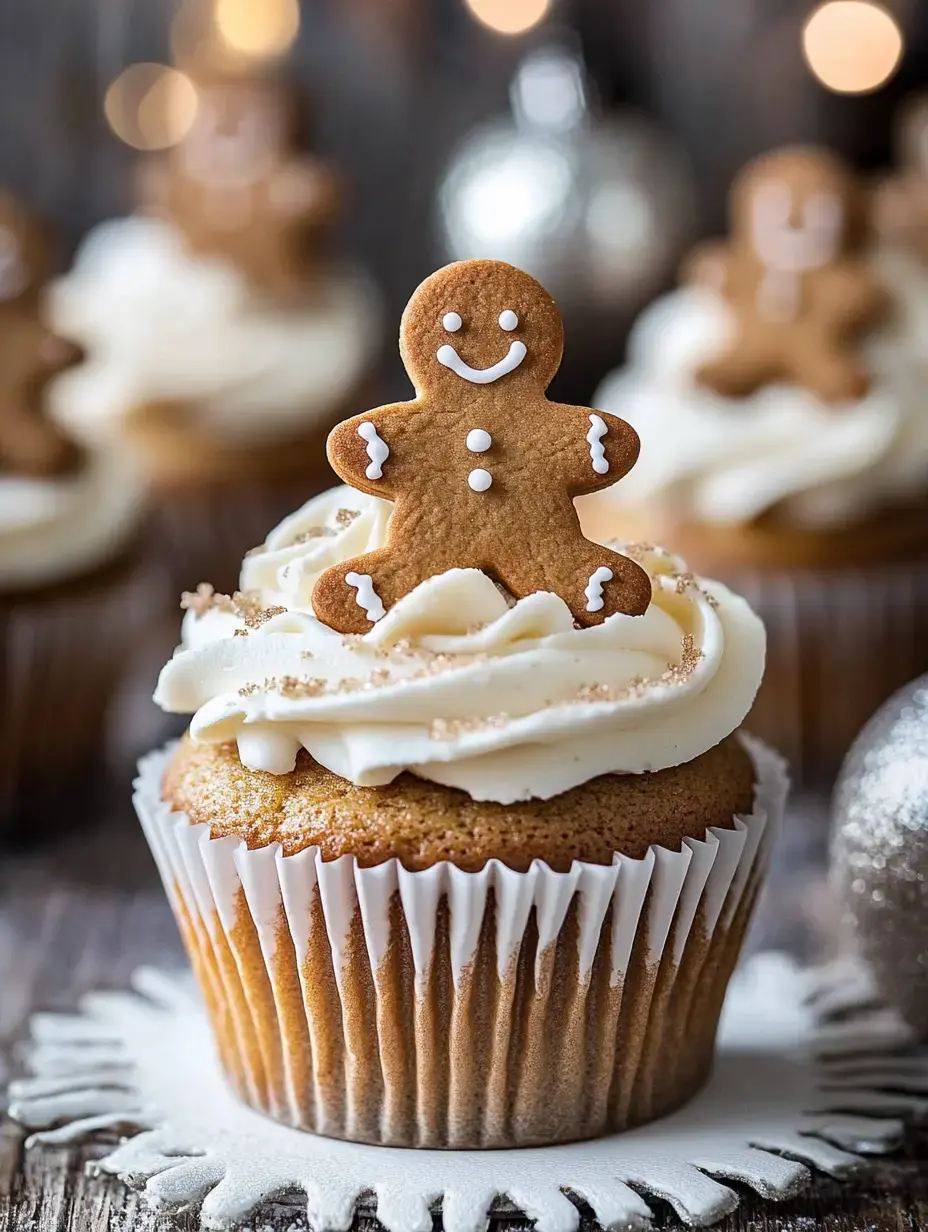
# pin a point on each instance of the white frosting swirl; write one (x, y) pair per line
(160, 324)
(55, 529)
(713, 459)
(506, 701)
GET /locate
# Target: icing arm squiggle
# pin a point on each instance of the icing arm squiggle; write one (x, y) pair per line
(594, 438)
(377, 450)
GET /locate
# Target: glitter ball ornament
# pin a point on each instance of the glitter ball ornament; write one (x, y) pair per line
(597, 208)
(880, 850)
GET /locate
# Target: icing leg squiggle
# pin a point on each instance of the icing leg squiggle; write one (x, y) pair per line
(377, 450)
(594, 591)
(594, 438)
(367, 597)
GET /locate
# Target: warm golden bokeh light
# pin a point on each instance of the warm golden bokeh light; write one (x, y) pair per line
(258, 27)
(852, 46)
(509, 16)
(151, 106)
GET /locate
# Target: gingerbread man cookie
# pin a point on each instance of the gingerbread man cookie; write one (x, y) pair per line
(799, 291)
(30, 355)
(481, 467)
(235, 188)
(900, 203)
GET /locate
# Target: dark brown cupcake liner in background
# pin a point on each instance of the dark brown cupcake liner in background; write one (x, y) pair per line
(63, 653)
(211, 503)
(447, 1009)
(839, 643)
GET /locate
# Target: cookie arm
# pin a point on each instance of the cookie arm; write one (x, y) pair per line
(306, 190)
(853, 297)
(707, 266)
(598, 449)
(361, 450)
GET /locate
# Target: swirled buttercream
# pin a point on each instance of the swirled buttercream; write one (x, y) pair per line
(57, 528)
(707, 458)
(505, 700)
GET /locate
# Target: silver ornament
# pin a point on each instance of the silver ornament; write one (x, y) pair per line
(599, 210)
(879, 850)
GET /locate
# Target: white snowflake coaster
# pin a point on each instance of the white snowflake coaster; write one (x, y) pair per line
(809, 1069)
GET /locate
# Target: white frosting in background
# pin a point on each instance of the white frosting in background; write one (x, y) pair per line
(55, 529)
(719, 460)
(906, 277)
(504, 701)
(159, 324)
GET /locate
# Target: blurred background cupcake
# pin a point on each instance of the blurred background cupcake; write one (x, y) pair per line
(71, 603)
(222, 340)
(785, 446)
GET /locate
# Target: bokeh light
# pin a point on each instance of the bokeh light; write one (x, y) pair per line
(852, 46)
(260, 28)
(509, 16)
(151, 106)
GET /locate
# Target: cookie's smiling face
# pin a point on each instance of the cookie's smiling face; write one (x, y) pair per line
(480, 325)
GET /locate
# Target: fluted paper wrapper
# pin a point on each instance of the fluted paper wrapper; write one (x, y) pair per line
(839, 643)
(459, 1010)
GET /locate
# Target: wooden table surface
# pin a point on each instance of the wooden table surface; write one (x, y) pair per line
(84, 913)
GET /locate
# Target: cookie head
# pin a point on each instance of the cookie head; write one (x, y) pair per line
(479, 325)
(241, 132)
(797, 209)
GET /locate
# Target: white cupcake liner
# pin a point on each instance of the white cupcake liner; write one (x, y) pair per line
(839, 643)
(450, 1009)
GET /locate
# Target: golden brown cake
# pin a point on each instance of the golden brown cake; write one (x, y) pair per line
(477, 875)
(421, 824)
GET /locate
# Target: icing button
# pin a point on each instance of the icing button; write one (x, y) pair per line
(478, 441)
(479, 480)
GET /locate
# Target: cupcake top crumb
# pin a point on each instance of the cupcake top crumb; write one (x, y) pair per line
(421, 823)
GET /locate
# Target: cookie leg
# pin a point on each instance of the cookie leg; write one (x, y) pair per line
(352, 596)
(739, 372)
(605, 584)
(831, 375)
(593, 581)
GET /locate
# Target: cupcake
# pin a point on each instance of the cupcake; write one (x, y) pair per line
(475, 874)
(785, 449)
(221, 344)
(68, 589)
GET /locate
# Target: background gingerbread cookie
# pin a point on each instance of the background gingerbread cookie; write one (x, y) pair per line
(30, 354)
(481, 466)
(900, 203)
(236, 187)
(793, 276)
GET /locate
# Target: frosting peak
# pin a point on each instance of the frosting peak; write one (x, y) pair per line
(505, 700)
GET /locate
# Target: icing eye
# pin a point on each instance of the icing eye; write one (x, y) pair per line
(508, 319)
(452, 322)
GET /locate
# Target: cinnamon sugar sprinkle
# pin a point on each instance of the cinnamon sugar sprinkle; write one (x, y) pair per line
(246, 605)
(345, 517)
(689, 581)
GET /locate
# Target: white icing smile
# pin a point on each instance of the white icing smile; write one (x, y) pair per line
(449, 358)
